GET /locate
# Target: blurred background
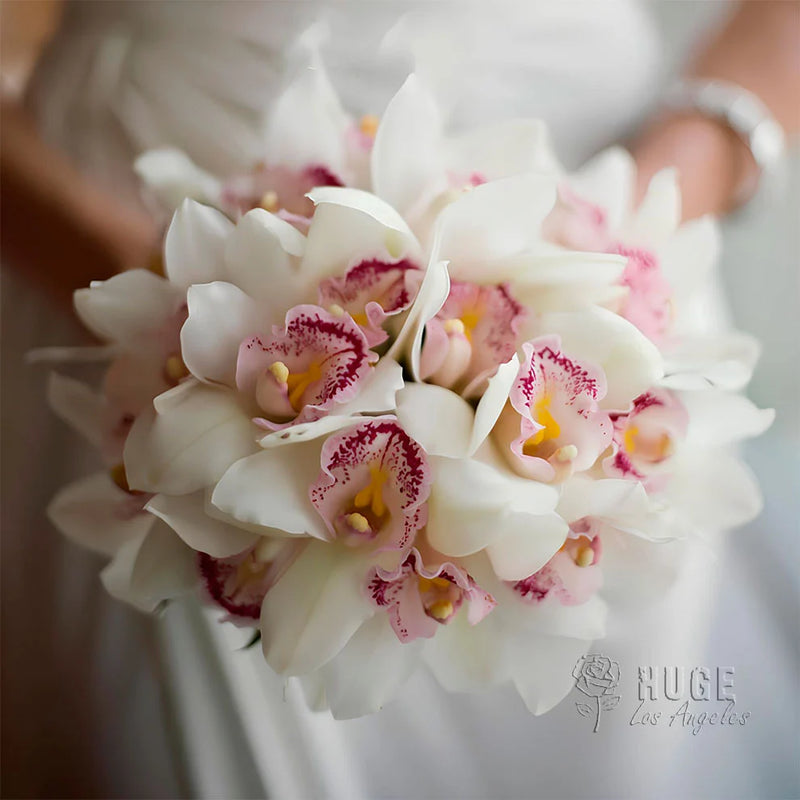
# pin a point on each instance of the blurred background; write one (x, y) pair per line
(100, 701)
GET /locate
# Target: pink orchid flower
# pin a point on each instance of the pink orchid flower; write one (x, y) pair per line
(305, 368)
(374, 485)
(419, 599)
(645, 438)
(553, 423)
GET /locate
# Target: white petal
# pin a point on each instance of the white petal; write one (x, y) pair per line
(430, 298)
(469, 500)
(349, 226)
(690, 255)
(127, 306)
(713, 489)
(608, 181)
(542, 669)
(440, 420)
(221, 317)
(659, 213)
(197, 434)
(492, 222)
(407, 154)
(78, 406)
(314, 609)
(491, 404)
(150, 569)
(260, 257)
(172, 176)
(369, 670)
(724, 362)
(307, 124)
(631, 362)
(195, 245)
(378, 391)
(606, 497)
(186, 515)
(306, 431)
(90, 512)
(468, 658)
(525, 544)
(271, 488)
(502, 149)
(718, 418)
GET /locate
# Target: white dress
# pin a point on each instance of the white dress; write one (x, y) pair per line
(122, 77)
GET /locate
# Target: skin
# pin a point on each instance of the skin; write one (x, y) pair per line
(91, 235)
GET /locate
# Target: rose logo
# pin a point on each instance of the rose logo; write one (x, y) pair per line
(597, 677)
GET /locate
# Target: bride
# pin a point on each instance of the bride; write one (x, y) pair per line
(123, 77)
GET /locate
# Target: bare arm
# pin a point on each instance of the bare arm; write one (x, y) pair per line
(759, 49)
(57, 226)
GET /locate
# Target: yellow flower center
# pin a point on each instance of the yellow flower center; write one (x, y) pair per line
(368, 125)
(371, 496)
(296, 382)
(652, 449)
(551, 429)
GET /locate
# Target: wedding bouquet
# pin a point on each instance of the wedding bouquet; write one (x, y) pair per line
(403, 398)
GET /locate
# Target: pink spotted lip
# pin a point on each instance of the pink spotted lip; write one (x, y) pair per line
(239, 583)
(373, 486)
(371, 291)
(648, 304)
(419, 600)
(474, 332)
(560, 426)
(572, 576)
(304, 369)
(646, 437)
(277, 188)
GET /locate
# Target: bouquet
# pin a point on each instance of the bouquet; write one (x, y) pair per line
(407, 398)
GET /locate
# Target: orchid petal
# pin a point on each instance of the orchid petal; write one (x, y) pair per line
(491, 404)
(303, 629)
(630, 361)
(719, 418)
(350, 226)
(466, 658)
(431, 296)
(172, 176)
(198, 432)
(369, 670)
(492, 222)
(470, 501)
(502, 149)
(437, 418)
(78, 406)
(97, 514)
(542, 669)
(659, 214)
(127, 306)
(307, 124)
(221, 316)
(259, 255)
(722, 362)
(607, 181)
(186, 515)
(406, 155)
(195, 245)
(150, 569)
(526, 544)
(270, 489)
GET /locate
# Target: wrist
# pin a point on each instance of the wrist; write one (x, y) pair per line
(714, 165)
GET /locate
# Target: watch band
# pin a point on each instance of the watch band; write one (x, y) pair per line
(741, 111)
